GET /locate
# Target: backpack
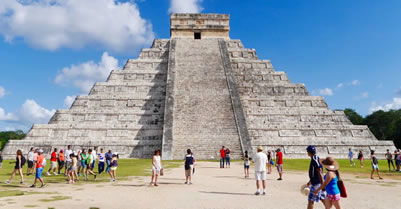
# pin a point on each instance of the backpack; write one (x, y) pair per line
(23, 160)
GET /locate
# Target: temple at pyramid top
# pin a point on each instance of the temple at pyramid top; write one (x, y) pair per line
(199, 26)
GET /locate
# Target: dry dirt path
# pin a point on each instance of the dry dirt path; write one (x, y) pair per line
(212, 188)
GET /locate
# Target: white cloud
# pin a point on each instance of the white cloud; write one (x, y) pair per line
(32, 112)
(364, 94)
(54, 24)
(185, 6)
(340, 85)
(326, 92)
(355, 83)
(84, 75)
(7, 116)
(68, 101)
(395, 104)
(2, 92)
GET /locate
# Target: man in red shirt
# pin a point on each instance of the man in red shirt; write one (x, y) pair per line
(53, 163)
(40, 164)
(279, 163)
(222, 157)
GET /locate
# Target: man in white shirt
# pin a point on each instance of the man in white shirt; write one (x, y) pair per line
(68, 159)
(260, 161)
(94, 155)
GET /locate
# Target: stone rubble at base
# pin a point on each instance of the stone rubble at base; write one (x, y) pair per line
(199, 94)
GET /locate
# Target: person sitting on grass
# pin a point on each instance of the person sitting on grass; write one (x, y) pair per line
(53, 163)
(89, 165)
(40, 164)
(156, 167)
(113, 167)
(330, 183)
(19, 163)
(375, 165)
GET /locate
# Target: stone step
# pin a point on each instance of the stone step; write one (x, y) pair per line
(307, 126)
(250, 64)
(312, 132)
(237, 53)
(161, 43)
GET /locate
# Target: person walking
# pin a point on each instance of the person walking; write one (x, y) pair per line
(94, 155)
(360, 158)
(84, 158)
(79, 162)
(228, 159)
(61, 161)
(222, 156)
(68, 160)
(72, 169)
(29, 156)
(156, 167)
(40, 164)
(315, 178)
(89, 165)
(330, 183)
(375, 165)
(351, 157)
(260, 161)
(35, 159)
(389, 158)
(19, 163)
(397, 159)
(247, 163)
(189, 166)
(53, 163)
(269, 164)
(100, 160)
(108, 156)
(113, 167)
(279, 164)
(1, 161)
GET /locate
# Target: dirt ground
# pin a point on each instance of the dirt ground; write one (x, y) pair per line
(212, 188)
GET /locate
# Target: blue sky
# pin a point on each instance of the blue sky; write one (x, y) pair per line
(52, 50)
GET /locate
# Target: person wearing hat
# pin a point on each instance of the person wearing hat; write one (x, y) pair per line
(40, 164)
(279, 164)
(315, 178)
(330, 183)
(260, 161)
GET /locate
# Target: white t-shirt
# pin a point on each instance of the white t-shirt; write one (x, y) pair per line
(94, 155)
(67, 155)
(30, 156)
(260, 161)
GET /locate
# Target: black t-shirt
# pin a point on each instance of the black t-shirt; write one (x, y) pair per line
(314, 168)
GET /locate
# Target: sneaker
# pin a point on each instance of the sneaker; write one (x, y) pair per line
(264, 193)
(21, 182)
(55, 173)
(186, 182)
(48, 174)
(111, 180)
(257, 193)
(33, 186)
(279, 179)
(7, 182)
(114, 180)
(43, 185)
(190, 183)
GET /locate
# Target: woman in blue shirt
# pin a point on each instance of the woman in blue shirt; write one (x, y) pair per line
(330, 182)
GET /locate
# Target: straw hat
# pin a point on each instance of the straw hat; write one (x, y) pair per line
(259, 148)
(330, 164)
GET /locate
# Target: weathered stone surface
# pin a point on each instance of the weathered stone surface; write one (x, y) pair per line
(201, 94)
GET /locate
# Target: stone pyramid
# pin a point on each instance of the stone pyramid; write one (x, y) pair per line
(199, 90)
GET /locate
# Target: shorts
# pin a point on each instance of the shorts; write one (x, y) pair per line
(53, 164)
(246, 166)
(189, 171)
(351, 159)
(321, 195)
(72, 168)
(113, 168)
(61, 163)
(375, 167)
(39, 173)
(260, 175)
(279, 168)
(333, 197)
(68, 164)
(17, 167)
(30, 164)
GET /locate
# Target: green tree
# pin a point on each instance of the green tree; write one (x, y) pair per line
(7, 135)
(354, 117)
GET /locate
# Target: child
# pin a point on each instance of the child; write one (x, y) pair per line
(375, 165)
(72, 170)
(113, 167)
(247, 163)
(189, 165)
